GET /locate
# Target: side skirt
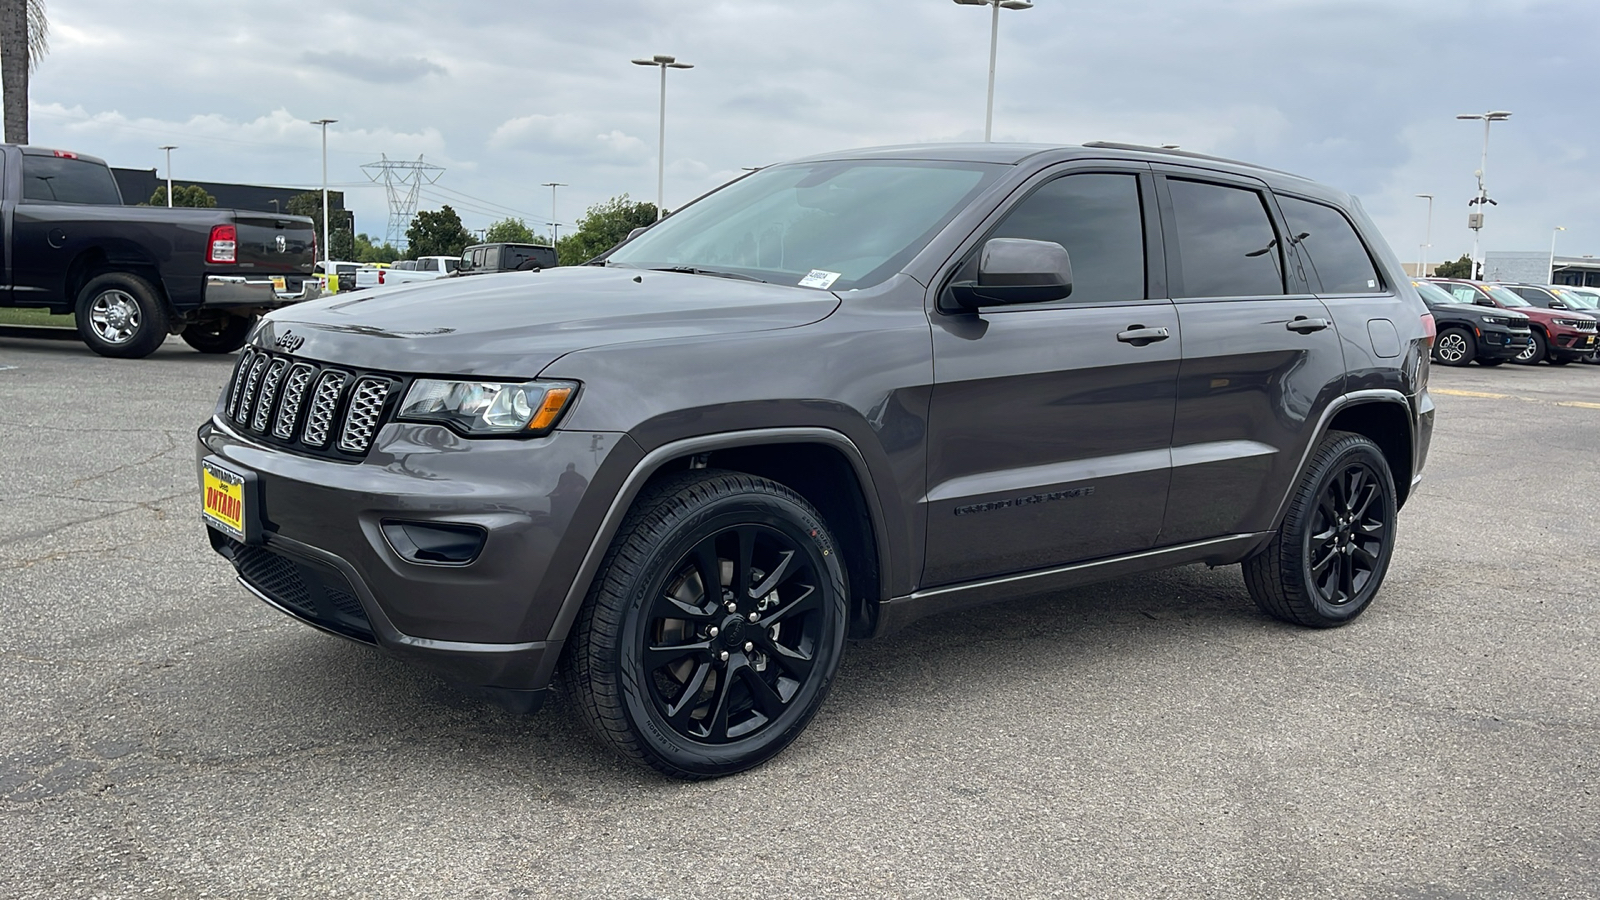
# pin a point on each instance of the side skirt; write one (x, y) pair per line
(898, 612)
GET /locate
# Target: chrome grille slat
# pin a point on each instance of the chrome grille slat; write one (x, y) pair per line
(294, 391)
(239, 375)
(366, 409)
(324, 402)
(269, 393)
(248, 399)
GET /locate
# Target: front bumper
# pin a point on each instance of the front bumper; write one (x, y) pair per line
(1501, 343)
(1572, 345)
(238, 291)
(323, 556)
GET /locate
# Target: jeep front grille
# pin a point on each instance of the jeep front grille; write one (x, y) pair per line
(304, 406)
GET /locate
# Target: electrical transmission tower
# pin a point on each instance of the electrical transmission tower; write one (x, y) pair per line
(403, 179)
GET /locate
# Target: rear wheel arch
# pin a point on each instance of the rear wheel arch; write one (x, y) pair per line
(95, 261)
(1387, 424)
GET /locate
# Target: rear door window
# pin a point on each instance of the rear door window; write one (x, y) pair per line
(1097, 218)
(57, 179)
(1226, 242)
(1335, 253)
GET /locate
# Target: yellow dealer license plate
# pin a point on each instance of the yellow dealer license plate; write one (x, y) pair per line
(279, 283)
(223, 504)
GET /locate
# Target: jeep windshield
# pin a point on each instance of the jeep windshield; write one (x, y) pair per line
(1506, 297)
(839, 225)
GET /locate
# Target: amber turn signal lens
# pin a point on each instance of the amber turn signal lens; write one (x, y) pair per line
(555, 400)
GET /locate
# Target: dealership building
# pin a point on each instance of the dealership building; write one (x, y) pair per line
(1538, 267)
(138, 185)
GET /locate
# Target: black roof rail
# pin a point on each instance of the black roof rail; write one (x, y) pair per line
(1187, 154)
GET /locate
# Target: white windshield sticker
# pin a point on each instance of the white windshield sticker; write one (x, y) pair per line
(819, 279)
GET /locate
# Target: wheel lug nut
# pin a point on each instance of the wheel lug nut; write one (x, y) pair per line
(714, 631)
(732, 606)
(723, 656)
(748, 646)
(754, 616)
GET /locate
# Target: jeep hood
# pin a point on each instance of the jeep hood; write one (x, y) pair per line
(513, 325)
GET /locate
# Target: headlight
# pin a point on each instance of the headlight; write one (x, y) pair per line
(488, 407)
(1496, 320)
(1568, 323)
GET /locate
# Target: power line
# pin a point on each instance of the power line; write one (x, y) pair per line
(403, 179)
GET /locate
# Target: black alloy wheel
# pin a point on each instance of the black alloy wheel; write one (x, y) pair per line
(1455, 347)
(1328, 559)
(714, 627)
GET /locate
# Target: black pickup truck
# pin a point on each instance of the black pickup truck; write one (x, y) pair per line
(132, 275)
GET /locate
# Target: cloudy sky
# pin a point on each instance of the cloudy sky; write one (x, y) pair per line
(506, 94)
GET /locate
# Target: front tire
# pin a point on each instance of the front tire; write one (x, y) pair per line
(1455, 347)
(1328, 559)
(121, 315)
(1537, 349)
(218, 334)
(714, 627)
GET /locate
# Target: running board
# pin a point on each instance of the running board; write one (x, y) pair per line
(899, 612)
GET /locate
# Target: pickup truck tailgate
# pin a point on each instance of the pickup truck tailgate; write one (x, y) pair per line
(270, 244)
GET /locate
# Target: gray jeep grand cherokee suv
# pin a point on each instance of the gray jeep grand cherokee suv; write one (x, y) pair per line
(822, 402)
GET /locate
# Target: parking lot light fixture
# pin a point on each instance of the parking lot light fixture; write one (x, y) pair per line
(327, 248)
(994, 43)
(664, 62)
(1558, 229)
(169, 148)
(554, 226)
(1482, 201)
(1427, 239)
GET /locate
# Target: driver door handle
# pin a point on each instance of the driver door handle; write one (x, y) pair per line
(1138, 335)
(1304, 325)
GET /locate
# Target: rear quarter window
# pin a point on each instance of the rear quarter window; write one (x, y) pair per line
(1335, 255)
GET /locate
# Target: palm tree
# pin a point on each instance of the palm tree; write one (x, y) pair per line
(23, 33)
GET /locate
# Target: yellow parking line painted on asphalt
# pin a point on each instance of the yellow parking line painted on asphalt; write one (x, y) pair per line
(1581, 404)
(1485, 395)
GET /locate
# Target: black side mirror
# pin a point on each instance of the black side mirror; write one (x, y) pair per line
(1557, 304)
(1015, 270)
(1484, 301)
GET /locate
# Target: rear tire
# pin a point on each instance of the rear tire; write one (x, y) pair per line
(1455, 347)
(121, 315)
(221, 333)
(714, 627)
(1328, 559)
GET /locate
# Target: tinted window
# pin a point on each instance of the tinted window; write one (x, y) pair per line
(59, 180)
(1335, 254)
(491, 257)
(450, 265)
(1097, 218)
(1226, 241)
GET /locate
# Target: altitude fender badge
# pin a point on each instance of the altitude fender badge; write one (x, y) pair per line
(1047, 497)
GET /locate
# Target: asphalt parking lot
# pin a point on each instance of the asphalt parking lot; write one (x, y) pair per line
(165, 734)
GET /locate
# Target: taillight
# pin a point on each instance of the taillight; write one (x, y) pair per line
(224, 245)
(64, 154)
(380, 276)
(1429, 329)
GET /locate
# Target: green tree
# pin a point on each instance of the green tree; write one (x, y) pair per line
(341, 245)
(366, 251)
(602, 227)
(1461, 268)
(437, 233)
(24, 32)
(192, 195)
(512, 231)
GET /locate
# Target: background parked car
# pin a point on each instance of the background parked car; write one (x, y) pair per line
(1470, 332)
(1559, 336)
(408, 271)
(480, 259)
(337, 275)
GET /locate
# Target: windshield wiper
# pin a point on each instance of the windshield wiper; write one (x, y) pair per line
(692, 270)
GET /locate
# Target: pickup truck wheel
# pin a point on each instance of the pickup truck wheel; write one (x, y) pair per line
(218, 334)
(714, 627)
(1328, 559)
(121, 315)
(1455, 347)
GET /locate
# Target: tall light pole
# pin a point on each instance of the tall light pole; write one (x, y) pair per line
(994, 43)
(1482, 201)
(327, 247)
(1558, 230)
(552, 185)
(664, 62)
(1427, 240)
(169, 148)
